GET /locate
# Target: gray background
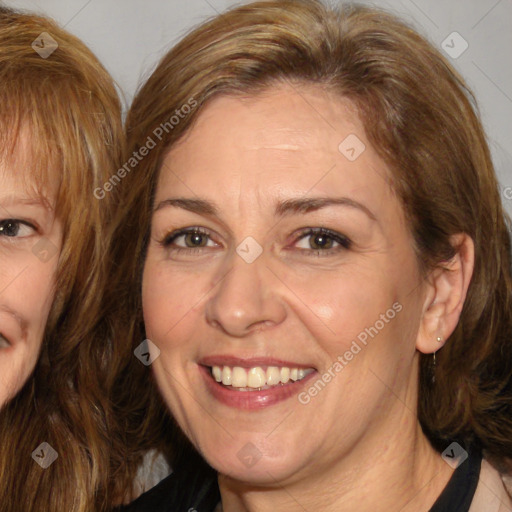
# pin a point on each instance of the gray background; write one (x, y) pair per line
(129, 36)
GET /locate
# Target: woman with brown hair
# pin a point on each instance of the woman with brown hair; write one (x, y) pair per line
(60, 139)
(316, 239)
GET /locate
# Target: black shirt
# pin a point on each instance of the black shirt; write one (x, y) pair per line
(197, 490)
(193, 490)
(460, 490)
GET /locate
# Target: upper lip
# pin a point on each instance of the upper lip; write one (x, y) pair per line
(251, 362)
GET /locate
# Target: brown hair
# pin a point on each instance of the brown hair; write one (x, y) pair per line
(68, 105)
(421, 118)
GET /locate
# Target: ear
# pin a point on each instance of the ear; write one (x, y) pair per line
(446, 291)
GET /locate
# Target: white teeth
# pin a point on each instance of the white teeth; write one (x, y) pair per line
(239, 377)
(273, 376)
(257, 377)
(217, 373)
(226, 376)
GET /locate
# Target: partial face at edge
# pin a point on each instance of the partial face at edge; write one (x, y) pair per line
(327, 271)
(30, 244)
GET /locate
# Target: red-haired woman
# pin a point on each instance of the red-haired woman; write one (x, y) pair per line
(61, 140)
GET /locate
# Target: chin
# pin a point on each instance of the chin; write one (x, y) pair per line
(261, 474)
(248, 464)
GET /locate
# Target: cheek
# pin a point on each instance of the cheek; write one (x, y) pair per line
(15, 367)
(337, 306)
(169, 300)
(26, 300)
(28, 289)
(37, 291)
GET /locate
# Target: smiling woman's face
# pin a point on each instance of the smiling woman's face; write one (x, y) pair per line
(274, 248)
(30, 240)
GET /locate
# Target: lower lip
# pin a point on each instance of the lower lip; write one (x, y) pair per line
(252, 400)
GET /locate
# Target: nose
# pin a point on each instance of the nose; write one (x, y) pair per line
(246, 300)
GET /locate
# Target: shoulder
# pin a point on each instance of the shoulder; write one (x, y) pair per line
(181, 491)
(493, 492)
(154, 469)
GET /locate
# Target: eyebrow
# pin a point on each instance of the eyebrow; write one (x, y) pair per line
(287, 207)
(26, 201)
(311, 204)
(199, 206)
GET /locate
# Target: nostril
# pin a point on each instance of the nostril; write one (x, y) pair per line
(4, 343)
(260, 325)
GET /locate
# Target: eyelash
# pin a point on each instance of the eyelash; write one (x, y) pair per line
(171, 237)
(19, 222)
(344, 242)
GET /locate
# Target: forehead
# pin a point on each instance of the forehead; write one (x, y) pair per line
(28, 167)
(284, 117)
(288, 137)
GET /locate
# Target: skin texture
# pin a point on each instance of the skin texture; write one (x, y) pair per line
(297, 304)
(27, 275)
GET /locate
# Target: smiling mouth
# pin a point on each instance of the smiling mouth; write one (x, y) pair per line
(257, 378)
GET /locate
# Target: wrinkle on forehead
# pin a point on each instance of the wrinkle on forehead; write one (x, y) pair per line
(283, 147)
(280, 135)
(260, 144)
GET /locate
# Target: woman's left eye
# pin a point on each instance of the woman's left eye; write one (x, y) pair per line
(13, 228)
(321, 239)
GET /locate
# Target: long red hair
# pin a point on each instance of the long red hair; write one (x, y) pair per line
(69, 106)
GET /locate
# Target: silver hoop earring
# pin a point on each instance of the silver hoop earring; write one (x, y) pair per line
(439, 339)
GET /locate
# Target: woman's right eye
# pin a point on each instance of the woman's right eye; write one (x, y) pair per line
(188, 239)
(16, 228)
